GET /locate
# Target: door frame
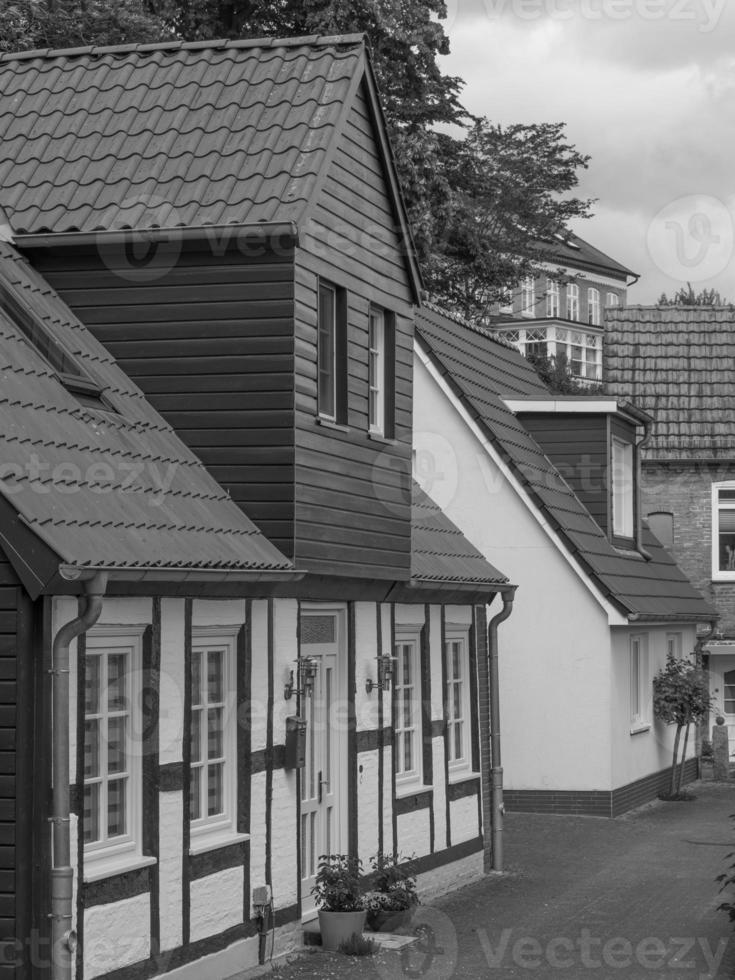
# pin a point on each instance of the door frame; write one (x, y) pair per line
(340, 745)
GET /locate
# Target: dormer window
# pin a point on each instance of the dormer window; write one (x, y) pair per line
(623, 507)
(381, 354)
(332, 353)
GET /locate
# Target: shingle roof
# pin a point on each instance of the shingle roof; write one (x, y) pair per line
(100, 488)
(677, 363)
(171, 134)
(439, 550)
(580, 254)
(481, 372)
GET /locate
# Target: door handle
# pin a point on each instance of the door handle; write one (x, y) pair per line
(322, 782)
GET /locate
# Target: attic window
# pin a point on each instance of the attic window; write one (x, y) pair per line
(622, 488)
(87, 391)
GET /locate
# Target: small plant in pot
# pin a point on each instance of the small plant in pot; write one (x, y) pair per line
(338, 895)
(391, 901)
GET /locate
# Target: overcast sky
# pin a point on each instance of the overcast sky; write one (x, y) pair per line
(647, 89)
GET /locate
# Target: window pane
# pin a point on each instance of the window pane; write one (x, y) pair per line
(92, 685)
(196, 736)
(215, 739)
(195, 793)
(116, 754)
(116, 807)
(91, 813)
(215, 676)
(326, 351)
(214, 789)
(116, 671)
(407, 754)
(91, 749)
(196, 678)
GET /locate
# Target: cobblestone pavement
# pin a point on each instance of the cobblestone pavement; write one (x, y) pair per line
(582, 897)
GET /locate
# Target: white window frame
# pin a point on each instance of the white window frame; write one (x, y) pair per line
(593, 306)
(552, 299)
(612, 299)
(528, 296)
(572, 309)
(208, 832)
(327, 411)
(408, 779)
(623, 488)
(721, 574)
(376, 370)
(109, 856)
(674, 643)
(458, 766)
(640, 684)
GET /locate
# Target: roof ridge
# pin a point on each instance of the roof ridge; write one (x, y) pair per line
(476, 328)
(310, 40)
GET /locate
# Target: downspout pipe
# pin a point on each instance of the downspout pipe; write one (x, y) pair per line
(63, 937)
(496, 770)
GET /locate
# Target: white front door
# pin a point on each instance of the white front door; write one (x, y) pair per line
(722, 684)
(323, 778)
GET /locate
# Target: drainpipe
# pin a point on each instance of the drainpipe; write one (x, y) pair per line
(63, 937)
(496, 771)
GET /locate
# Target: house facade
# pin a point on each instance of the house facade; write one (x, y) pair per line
(547, 488)
(561, 311)
(675, 362)
(272, 632)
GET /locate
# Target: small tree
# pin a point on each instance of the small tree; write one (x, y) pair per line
(680, 697)
(556, 374)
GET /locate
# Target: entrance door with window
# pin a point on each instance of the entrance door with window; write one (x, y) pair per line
(323, 778)
(722, 684)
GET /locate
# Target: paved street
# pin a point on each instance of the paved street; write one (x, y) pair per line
(583, 898)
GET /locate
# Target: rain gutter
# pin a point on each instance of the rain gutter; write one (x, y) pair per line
(496, 770)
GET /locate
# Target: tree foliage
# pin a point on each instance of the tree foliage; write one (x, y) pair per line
(680, 697)
(481, 203)
(556, 374)
(686, 296)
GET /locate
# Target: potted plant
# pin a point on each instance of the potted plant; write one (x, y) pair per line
(338, 894)
(391, 901)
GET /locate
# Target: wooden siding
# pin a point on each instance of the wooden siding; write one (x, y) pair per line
(577, 446)
(210, 342)
(14, 814)
(353, 494)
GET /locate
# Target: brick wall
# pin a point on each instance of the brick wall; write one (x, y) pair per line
(686, 492)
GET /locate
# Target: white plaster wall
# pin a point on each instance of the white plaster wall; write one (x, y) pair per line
(116, 935)
(171, 814)
(638, 755)
(257, 830)
(366, 650)
(368, 804)
(555, 648)
(436, 654)
(259, 675)
(173, 683)
(440, 793)
(463, 819)
(216, 903)
(284, 835)
(387, 809)
(414, 833)
(285, 653)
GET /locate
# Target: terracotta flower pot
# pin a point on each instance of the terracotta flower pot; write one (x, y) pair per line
(337, 927)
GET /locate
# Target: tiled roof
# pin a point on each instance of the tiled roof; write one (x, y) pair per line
(481, 372)
(580, 254)
(677, 363)
(440, 553)
(171, 134)
(100, 488)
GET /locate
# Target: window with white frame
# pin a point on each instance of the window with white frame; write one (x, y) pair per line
(112, 799)
(593, 306)
(536, 342)
(457, 701)
(327, 351)
(376, 371)
(723, 531)
(552, 298)
(213, 730)
(572, 301)
(640, 688)
(407, 701)
(505, 301)
(612, 299)
(528, 297)
(673, 645)
(623, 509)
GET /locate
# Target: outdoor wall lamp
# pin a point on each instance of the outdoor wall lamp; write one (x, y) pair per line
(306, 669)
(385, 673)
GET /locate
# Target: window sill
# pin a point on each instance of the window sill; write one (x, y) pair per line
(213, 842)
(411, 789)
(331, 424)
(99, 869)
(377, 437)
(640, 728)
(462, 776)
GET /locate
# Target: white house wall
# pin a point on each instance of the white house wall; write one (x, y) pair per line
(555, 647)
(205, 916)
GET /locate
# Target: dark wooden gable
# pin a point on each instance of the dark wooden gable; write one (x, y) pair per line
(353, 498)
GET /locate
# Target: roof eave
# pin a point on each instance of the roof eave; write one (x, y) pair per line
(175, 235)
